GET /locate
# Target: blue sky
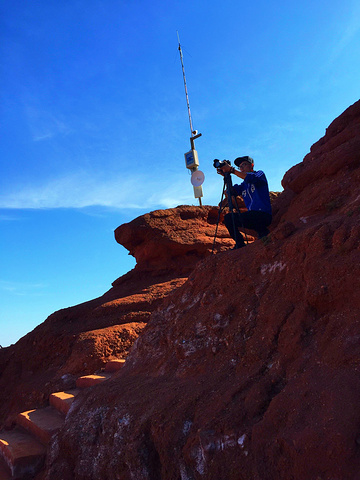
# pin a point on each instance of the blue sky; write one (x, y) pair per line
(94, 122)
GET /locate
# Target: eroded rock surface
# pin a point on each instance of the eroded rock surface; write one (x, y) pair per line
(167, 244)
(176, 238)
(251, 369)
(246, 363)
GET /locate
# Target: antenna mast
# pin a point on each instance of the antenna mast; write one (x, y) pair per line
(186, 92)
(191, 157)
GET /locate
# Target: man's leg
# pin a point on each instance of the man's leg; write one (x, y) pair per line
(232, 222)
(258, 221)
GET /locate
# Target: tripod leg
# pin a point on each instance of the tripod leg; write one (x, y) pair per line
(217, 221)
(236, 234)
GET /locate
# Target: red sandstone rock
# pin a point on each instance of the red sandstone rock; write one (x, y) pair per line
(251, 369)
(43, 423)
(91, 380)
(23, 454)
(248, 369)
(114, 366)
(176, 238)
(62, 401)
(81, 339)
(327, 177)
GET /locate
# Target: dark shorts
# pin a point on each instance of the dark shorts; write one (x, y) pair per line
(258, 221)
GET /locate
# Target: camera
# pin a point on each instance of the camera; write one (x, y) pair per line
(219, 164)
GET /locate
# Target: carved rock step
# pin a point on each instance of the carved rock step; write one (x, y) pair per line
(114, 365)
(42, 423)
(62, 401)
(91, 380)
(23, 454)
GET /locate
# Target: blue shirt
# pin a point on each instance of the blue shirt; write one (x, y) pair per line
(255, 192)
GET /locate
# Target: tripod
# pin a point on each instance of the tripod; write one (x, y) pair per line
(229, 187)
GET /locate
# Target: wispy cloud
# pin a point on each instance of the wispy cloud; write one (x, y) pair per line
(347, 34)
(43, 123)
(20, 288)
(79, 190)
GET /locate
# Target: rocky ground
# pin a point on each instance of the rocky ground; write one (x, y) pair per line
(167, 244)
(246, 363)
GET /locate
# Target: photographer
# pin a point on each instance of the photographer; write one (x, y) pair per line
(255, 193)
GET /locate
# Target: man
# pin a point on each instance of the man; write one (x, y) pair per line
(255, 192)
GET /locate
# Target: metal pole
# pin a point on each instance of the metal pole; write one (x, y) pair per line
(186, 93)
(194, 134)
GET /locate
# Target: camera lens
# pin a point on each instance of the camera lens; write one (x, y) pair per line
(217, 163)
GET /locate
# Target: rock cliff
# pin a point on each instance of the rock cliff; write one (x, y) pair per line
(81, 339)
(246, 364)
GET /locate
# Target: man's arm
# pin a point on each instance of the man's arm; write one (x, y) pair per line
(227, 168)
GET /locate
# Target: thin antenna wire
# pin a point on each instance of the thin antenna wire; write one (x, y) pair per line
(186, 92)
